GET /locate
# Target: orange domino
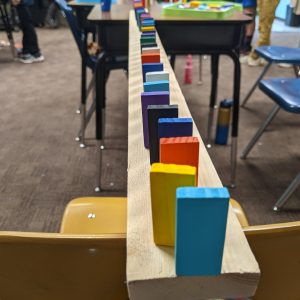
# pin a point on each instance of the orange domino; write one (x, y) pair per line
(138, 5)
(150, 58)
(180, 151)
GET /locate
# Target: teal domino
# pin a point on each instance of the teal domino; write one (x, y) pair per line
(157, 86)
(201, 218)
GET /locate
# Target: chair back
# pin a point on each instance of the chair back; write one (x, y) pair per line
(72, 21)
(35, 266)
(277, 250)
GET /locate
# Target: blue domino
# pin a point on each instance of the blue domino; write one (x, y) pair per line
(201, 218)
(175, 127)
(151, 67)
(149, 33)
(157, 86)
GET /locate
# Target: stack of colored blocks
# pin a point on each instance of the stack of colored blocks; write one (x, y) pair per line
(191, 219)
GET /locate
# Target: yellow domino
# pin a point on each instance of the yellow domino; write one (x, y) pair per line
(147, 28)
(164, 180)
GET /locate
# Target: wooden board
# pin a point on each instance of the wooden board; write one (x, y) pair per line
(151, 269)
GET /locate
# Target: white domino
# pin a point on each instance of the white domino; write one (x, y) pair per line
(157, 76)
(151, 50)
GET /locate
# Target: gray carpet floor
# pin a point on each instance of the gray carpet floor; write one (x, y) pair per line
(42, 167)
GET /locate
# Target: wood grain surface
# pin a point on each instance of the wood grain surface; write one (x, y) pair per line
(151, 269)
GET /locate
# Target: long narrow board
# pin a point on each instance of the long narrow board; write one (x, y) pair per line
(151, 269)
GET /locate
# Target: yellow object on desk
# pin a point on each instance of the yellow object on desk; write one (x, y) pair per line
(164, 180)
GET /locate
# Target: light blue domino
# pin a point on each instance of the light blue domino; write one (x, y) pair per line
(157, 86)
(201, 218)
(148, 22)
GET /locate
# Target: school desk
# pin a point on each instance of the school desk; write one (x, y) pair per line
(180, 36)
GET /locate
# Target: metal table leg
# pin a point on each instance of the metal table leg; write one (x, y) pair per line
(172, 61)
(213, 96)
(83, 90)
(235, 115)
(100, 83)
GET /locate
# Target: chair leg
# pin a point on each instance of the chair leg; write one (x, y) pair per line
(83, 125)
(100, 148)
(260, 131)
(265, 70)
(296, 70)
(287, 193)
(233, 161)
(85, 118)
(8, 29)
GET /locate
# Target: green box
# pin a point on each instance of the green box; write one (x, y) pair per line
(225, 10)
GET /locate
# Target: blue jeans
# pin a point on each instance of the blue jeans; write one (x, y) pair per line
(30, 41)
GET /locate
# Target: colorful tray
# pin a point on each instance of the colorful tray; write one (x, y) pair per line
(202, 9)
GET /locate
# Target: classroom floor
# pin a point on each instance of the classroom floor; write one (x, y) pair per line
(43, 168)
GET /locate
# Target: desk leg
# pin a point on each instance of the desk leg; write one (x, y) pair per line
(84, 94)
(213, 96)
(235, 116)
(172, 61)
(100, 84)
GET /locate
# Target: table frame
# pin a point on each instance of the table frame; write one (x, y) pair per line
(103, 22)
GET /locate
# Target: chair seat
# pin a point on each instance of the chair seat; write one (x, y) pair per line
(284, 91)
(278, 54)
(95, 215)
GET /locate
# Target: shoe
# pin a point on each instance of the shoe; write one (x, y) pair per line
(244, 59)
(29, 58)
(284, 65)
(256, 62)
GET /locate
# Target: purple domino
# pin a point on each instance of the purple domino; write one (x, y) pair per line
(151, 98)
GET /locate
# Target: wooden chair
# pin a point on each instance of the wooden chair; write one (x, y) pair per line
(277, 250)
(86, 260)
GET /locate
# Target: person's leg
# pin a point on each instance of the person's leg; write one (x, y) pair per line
(249, 10)
(266, 17)
(250, 28)
(30, 41)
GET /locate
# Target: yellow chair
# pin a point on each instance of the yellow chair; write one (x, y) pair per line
(277, 250)
(86, 260)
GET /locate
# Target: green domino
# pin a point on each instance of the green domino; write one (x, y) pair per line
(147, 40)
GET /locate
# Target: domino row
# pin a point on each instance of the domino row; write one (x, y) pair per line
(187, 217)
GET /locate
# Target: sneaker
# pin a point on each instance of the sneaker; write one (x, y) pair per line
(29, 58)
(284, 65)
(256, 62)
(244, 59)
(38, 58)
